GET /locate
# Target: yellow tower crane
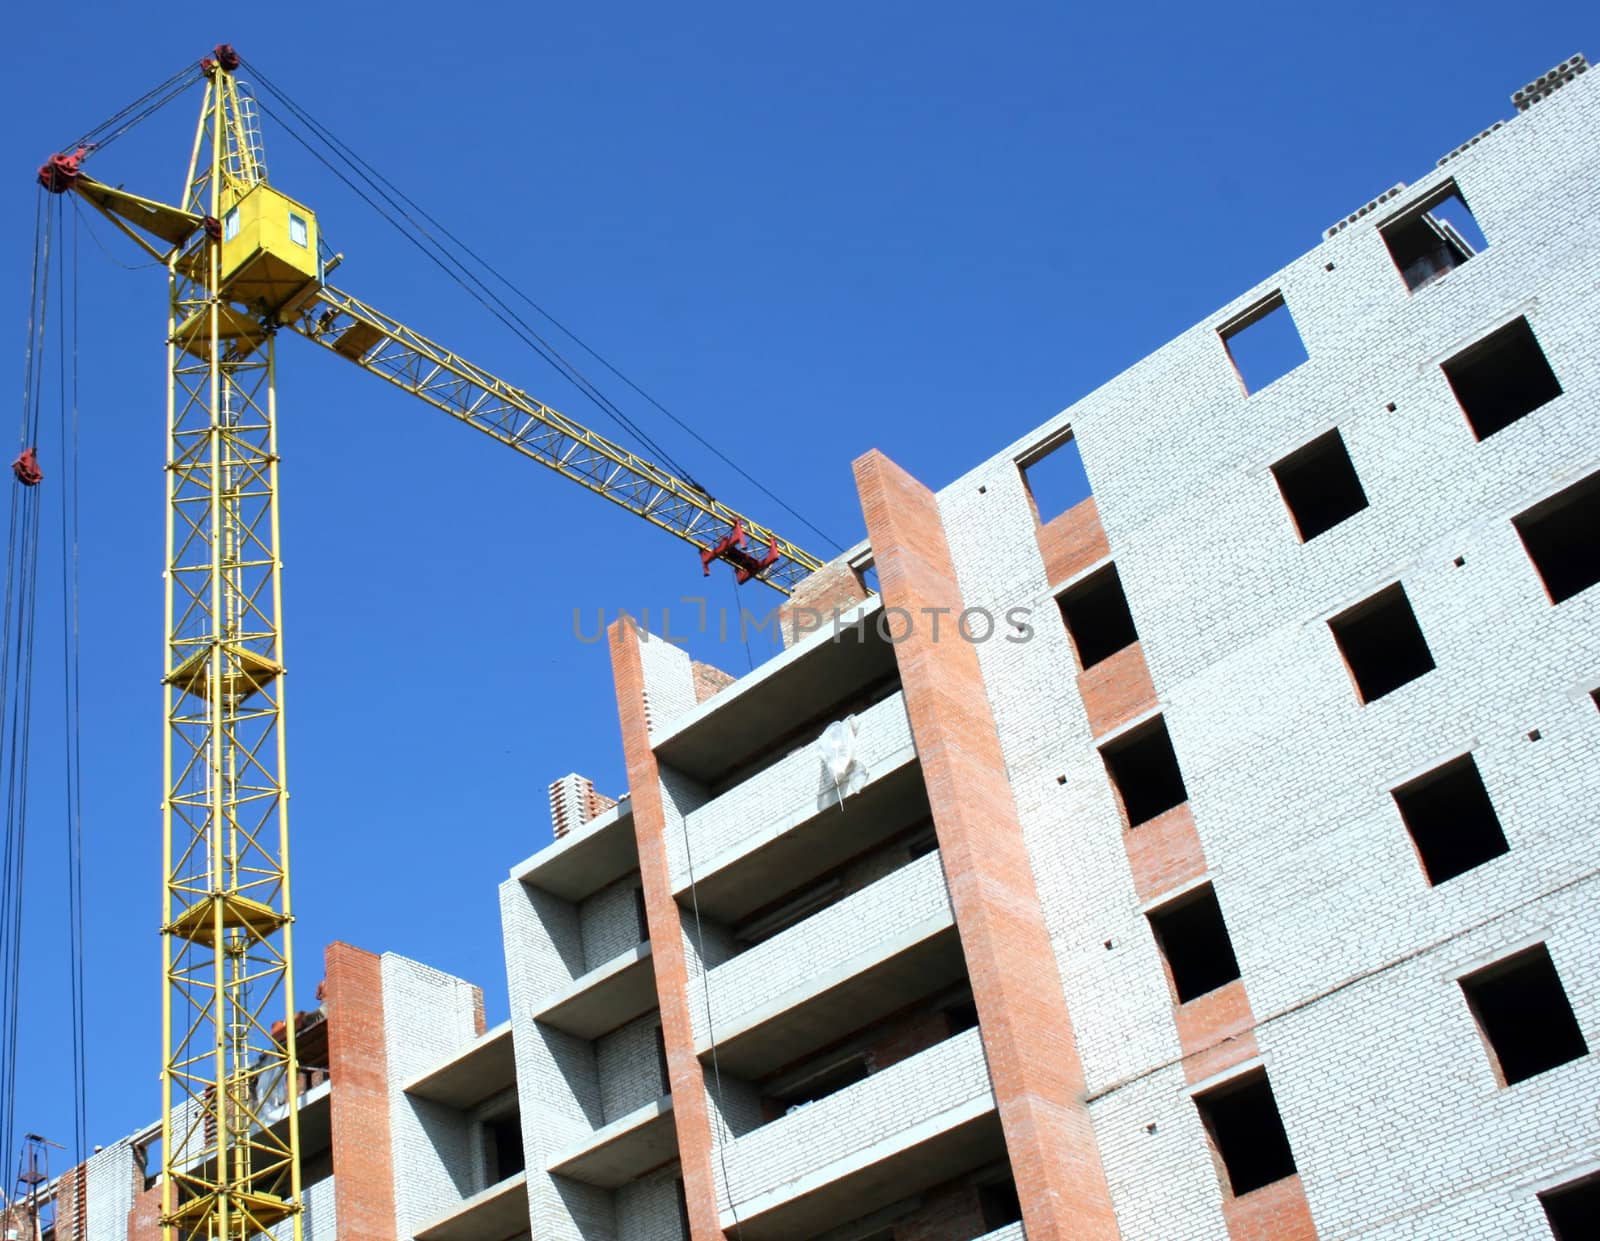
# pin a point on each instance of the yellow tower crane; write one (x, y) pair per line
(242, 263)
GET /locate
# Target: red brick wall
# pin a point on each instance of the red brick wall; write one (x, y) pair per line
(1072, 542)
(835, 585)
(947, 1213)
(1276, 1212)
(690, 1113)
(708, 680)
(144, 1221)
(72, 1205)
(1116, 690)
(1027, 1032)
(362, 1159)
(1164, 852)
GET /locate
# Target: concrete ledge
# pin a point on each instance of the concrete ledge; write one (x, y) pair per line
(857, 990)
(582, 862)
(604, 998)
(499, 1211)
(483, 1068)
(623, 1150)
(749, 717)
(924, 1154)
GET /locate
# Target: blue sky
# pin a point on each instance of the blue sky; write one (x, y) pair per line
(809, 233)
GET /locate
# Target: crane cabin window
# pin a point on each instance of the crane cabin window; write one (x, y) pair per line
(230, 225)
(297, 230)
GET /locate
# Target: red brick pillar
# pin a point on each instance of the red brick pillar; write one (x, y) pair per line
(690, 1112)
(1026, 1030)
(144, 1220)
(362, 1153)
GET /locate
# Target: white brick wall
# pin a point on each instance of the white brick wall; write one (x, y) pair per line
(1373, 1058)
(109, 1191)
(792, 790)
(608, 922)
(813, 950)
(427, 1017)
(832, 1129)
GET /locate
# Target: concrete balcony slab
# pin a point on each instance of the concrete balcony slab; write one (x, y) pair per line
(604, 998)
(484, 1068)
(623, 1150)
(499, 1211)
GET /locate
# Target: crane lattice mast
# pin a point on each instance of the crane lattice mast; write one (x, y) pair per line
(229, 1127)
(242, 262)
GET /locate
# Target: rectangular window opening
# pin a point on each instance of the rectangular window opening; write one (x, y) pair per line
(1382, 643)
(1319, 485)
(1433, 238)
(1522, 1010)
(1451, 820)
(502, 1139)
(230, 225)
(1560, 536)
(1247, 1133)
(661, 1061)
(1097, 617)
(999, 1205)
(641, 916)
(1264, 343)
(1501, 378)
(297, 230)
(1573, 1209)
(1193, 938)
(1144, 769)
(1054, 478)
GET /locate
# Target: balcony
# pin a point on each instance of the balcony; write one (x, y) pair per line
(922, 1121)
(579, 864)
(751, 836)
(499, 1211)
(623, 1150)
(604, 998)
(755, 714)
(483, 1070)
(874, 952)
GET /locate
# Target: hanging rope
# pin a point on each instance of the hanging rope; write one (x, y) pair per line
(16, 680)
(480, 289)
(67, 422)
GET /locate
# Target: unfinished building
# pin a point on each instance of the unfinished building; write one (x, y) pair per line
(1211, 859)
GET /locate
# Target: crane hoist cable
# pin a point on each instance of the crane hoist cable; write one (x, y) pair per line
(485, 298)
(345, 151)
(441, 377)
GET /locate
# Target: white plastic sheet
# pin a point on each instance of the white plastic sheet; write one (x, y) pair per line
(837, 748)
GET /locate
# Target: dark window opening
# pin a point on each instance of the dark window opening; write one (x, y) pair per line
(1433, 239)
(641, 917)
(962, 1016)
(1319, 485)
(1264, 344)
(1055, 479)
(1242, 1119)
(1501, 378)
(1573, 1209)
(1562, 535)
(1451, 820)
(825, 1080)
(999, 1204)
(661, 1061)
(1144, 769)
(1522, 1009)
(1194, 939)
(1097, 617)
(1382, 643)
(503, 1148)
